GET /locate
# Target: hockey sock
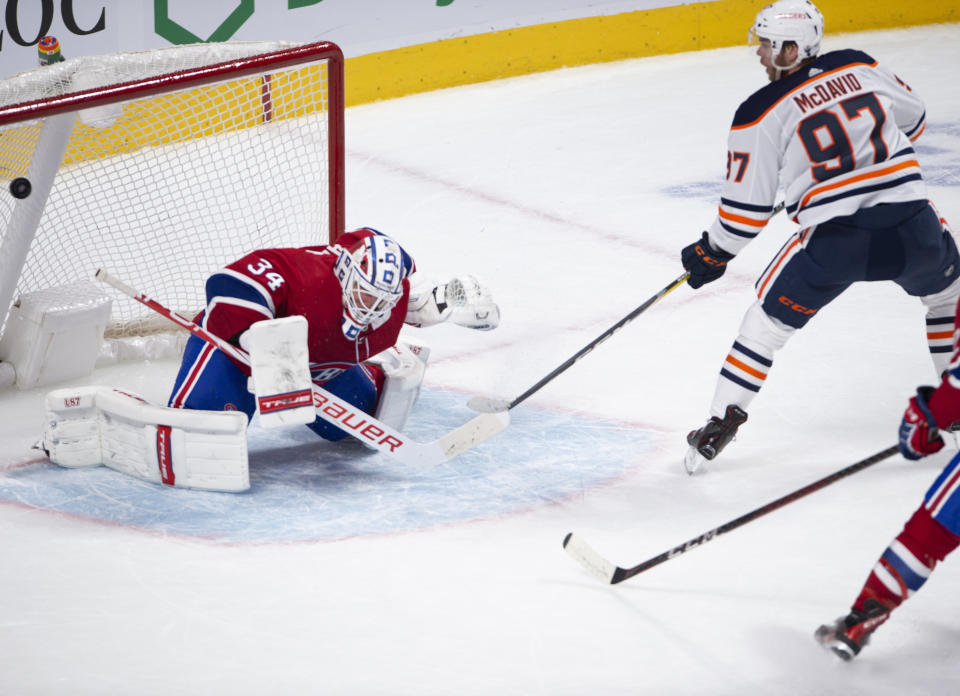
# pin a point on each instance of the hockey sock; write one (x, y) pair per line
(749, 361)
(741, 377)
(941, 309)
(908, 561)
(940, 340)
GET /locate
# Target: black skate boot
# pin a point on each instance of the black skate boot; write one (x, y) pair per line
(846, 636)
(707, 442)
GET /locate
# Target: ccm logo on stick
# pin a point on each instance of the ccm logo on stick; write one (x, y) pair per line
(345, 419)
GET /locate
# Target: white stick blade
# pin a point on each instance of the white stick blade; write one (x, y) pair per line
(473, 432)
(592, 561)
(482, 404)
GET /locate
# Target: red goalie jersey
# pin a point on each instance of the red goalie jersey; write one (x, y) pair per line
(273, 283)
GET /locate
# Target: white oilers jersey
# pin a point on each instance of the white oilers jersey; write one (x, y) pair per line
(834, 136)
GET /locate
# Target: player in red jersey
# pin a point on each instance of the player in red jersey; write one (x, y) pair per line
(355, 295)
(931, 533)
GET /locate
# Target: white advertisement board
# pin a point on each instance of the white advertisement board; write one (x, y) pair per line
(359, 27)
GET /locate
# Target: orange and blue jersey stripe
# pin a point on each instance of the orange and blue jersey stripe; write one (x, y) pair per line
(745, 220)
(889, 175)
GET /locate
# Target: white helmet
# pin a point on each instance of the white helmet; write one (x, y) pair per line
(372, 281)
(789, 20)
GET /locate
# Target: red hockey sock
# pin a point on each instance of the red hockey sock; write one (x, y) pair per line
(908, 561)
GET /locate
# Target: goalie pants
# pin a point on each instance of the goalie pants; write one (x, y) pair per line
(208, 380)
(902, 242)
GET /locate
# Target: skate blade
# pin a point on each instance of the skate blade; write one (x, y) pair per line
(826, 636)
(693, 461)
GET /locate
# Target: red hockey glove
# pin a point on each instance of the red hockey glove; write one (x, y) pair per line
(945, 405)
(704, 262)
(919, 435)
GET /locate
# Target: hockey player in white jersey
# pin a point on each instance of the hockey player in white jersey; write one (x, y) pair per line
(834, 132)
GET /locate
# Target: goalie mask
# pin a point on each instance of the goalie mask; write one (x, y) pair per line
(789, 20)
(372, 281)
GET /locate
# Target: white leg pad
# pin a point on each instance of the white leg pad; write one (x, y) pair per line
(177, 447)
(404, 366)
(419, 348)
(72, 434)
(280, 371)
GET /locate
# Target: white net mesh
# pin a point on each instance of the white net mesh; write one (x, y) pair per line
(164, 189)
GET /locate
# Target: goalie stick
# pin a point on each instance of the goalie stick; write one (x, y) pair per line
(341, 413)
(612, 574)
(487, 405)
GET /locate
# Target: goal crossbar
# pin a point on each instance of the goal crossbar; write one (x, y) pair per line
(184, 79)
(166, 165)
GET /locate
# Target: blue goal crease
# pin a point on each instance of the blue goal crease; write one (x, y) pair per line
(306, 489)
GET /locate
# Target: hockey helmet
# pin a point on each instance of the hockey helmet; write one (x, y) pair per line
(371, 277)
(789, 20)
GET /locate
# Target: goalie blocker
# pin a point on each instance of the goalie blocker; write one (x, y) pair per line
(90, 426)
(280, 374)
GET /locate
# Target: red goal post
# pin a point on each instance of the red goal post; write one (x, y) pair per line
(164, 165)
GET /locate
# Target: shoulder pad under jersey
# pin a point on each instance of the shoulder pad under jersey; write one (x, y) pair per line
(764, 98)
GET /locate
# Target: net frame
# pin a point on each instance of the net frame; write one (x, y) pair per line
(64, 107)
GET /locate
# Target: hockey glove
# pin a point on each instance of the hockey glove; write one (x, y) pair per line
(704, 262)
(428, 305)
(919, 435)
(473, 305)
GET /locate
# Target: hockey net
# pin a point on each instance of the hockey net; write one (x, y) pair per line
(162, 166)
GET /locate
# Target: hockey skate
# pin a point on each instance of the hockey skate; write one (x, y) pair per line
(707, 442)
(847, 635)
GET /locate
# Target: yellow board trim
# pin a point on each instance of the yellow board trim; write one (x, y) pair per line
(525, 50)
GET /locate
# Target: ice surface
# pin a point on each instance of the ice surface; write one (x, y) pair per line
(570, 193)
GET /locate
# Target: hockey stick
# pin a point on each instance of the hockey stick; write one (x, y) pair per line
(609, 573)
(341, 413)
(486, 405)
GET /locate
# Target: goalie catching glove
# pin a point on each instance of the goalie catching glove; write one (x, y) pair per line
(463, 300)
